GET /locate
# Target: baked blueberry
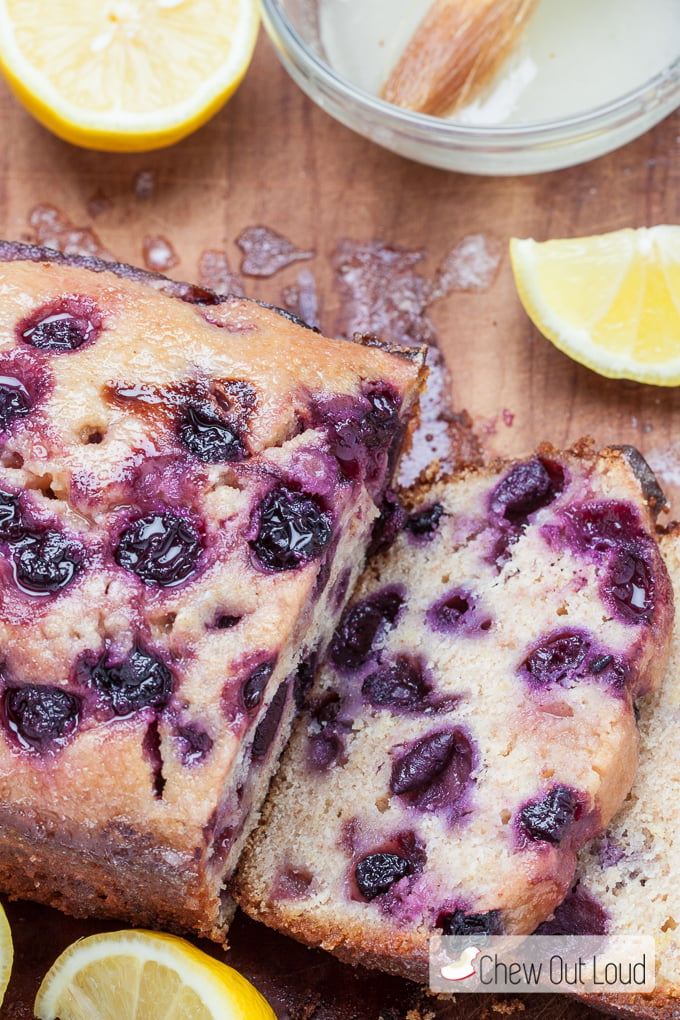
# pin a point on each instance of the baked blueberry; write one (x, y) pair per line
(62, 326)
(41, 715)
(141, 680)
(162, 548)
(292, 529)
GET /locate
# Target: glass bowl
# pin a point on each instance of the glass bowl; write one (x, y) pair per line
(293, 27)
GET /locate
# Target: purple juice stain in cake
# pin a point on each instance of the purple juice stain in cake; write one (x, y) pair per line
(209, 437)
(41, 717)
(292, 529)
(254, 685)
(457, 612)
(141, 680)
(62, 326)
(161, 549)
(45, 561)
(458, 921)
(292, 883)
(528, 487)
(268, 725)
(579, 913)
(363, 625)
(434, 773)
(424, 523)
(398, 684)
(549, 818)
(558, 659)
(194, 744)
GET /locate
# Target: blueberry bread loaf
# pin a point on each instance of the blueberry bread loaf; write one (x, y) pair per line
(628, 879)
(187, 488)
(473, 724)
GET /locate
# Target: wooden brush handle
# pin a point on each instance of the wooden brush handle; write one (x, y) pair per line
(456, 49)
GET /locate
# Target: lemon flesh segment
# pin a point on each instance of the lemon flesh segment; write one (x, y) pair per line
(611, 301)
(6, 953)
(139, 975)
(125, 74)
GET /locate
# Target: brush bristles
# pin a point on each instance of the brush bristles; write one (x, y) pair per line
(455, 51)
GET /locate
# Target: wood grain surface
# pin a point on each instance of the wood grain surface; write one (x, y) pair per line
(271, 157)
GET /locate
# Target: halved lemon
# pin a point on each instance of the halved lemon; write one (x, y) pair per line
(611, 301)
(141, 975)
(125, 75)
(6, 953)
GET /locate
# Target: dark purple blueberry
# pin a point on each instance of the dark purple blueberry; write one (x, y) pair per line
(424, 523)
(62, 327)
(397, 684)
(578, 914)
(41, 715)
(269, 723)
(383, 418)
(602, 525)
(11, 524)
(195, 743)
(557, 659)
(377, 872)
(387, 526)
(434, 772)
(15, 401)
(45, 561)
(549, 819)
(140, 681)
(361, 625)
(528, 487)
(209, 437)
(631, 584)
(292, 529)
(161, 549)
(254, 686)
(457, 922)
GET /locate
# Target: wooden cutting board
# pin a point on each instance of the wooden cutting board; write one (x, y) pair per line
(272, 158)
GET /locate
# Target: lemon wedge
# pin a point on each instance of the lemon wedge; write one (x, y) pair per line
(141, 975)
(611, 301)
(125, 75)
(6, 953)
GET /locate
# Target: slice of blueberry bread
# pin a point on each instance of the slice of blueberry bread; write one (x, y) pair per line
(188, 485)
(474, 722)
(628, 879)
